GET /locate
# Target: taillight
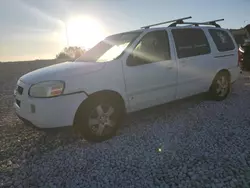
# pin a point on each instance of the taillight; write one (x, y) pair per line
(240, 55)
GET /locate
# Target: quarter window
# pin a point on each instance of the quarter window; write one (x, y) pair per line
(190, 42)
(222, 40)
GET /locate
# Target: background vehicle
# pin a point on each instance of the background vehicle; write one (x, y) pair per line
(244, 51)
(128, 72)
(244, 55)
(247, 28)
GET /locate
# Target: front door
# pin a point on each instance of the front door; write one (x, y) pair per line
(150, 71)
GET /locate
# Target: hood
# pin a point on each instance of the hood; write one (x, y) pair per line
(61, 71)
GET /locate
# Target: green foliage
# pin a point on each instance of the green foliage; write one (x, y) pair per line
(70, 53)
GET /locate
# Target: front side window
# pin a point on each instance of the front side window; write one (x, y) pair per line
(153, 47)
(222, 40)
(110, 48)
(190, 42)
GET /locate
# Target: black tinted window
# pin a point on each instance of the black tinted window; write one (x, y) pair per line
(222, 40)
(153, 47)
(190, 42)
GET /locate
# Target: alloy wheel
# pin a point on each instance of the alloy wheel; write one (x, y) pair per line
(222, 86)
(101, 119)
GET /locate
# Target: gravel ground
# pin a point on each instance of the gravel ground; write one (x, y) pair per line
(190, 143)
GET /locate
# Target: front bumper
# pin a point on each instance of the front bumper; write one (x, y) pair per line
(47, 112)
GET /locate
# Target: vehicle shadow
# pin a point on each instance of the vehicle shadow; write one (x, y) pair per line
(67, 135)
(167, 108)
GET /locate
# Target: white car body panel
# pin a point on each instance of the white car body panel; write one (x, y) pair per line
(108, 79)
(61, 71)
(140, 86)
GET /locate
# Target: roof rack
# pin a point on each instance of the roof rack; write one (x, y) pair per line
(179, 21)
(213, 22)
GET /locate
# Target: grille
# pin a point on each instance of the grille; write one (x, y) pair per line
(18, 102)
(20, 90)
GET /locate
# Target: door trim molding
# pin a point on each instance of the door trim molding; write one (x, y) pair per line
(220, 56)
(152, 88)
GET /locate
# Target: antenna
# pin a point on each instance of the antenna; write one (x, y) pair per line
(180, 20)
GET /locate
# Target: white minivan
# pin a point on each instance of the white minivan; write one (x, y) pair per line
(128, 72)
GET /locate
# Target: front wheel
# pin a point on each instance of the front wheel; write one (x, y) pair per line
(221, 86)
(98, 119)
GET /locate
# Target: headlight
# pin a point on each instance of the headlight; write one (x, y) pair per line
(47, 89)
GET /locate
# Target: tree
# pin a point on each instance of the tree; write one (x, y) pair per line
(63, 56)
(70, 53)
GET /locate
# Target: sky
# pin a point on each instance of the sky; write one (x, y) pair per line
(32, 29)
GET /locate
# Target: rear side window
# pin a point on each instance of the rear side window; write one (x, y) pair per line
(190, 42)
(222, 40)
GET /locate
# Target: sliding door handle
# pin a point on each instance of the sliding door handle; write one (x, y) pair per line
(183, 61)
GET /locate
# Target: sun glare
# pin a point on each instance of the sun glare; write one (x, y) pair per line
(84, 32)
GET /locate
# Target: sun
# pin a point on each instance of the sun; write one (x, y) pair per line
(84, 32)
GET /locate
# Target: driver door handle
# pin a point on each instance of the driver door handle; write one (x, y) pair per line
(169, 67)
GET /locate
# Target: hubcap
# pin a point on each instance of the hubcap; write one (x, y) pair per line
(101, 121)
(222, 86)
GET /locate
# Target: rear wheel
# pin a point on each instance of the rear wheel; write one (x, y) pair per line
(99, 118)
(221, 86)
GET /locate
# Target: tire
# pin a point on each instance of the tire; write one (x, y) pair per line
(221, 86)
(98, 118)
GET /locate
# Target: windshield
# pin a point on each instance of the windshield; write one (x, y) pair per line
(110, 48)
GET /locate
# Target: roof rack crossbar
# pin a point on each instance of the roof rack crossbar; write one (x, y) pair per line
(219, 20)
(213, 22)
(180, 20)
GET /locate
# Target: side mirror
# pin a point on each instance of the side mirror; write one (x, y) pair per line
(135, 60)
(132, 60)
